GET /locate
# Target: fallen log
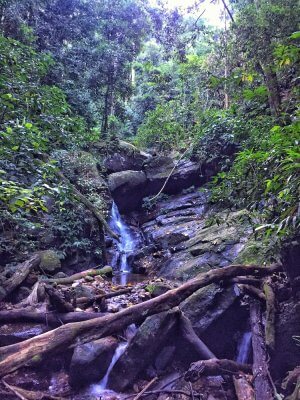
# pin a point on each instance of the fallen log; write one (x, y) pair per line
(243, 387)
(262, 385)
(87, 301)
(57, 301)
(247, 280)
(270, 315)
(252, 291)
(47, 318)
(215, 367)
(14, 356)
(105, 271)
(23, 394)
(189, 334)
(22, 271)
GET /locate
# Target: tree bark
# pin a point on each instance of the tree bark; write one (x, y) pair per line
(90, 272)
(14, 356)
(270, 315)
(57, 301)
(189, 334)
(22, 271)
(243, 388)
(262, 385)
(86, 301)
(214, 367)
(48, 318)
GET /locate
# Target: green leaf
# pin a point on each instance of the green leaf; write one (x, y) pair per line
(295, 35)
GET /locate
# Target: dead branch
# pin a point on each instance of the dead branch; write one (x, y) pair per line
(89, 301)
(262, 385)
(252, 291)
(80, 275)
(189, 334)
(22, 271)
(215, 367)
(270, 314)
(14, 356)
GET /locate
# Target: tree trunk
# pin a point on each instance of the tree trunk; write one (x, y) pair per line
(262, 384)
(47, 318)
(14, 356)
(270, 315)
(189, 334)
(215, 367)
(22, 271)
(90, 272)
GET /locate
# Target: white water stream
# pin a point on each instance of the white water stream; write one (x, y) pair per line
(244, 348)
(126, 246)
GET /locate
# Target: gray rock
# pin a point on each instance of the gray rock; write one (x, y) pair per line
(50, 261)
(142, 350)
(127, 188)
(90, 361)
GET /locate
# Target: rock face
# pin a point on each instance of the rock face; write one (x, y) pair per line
(127, 157)
(142, 350)
(90, 361)
(287, 353)
(127, 188)
(139, 180)
(189, 238)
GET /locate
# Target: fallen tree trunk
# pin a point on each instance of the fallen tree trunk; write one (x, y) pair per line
(87, 301)
(243, 387)
(80, 275)
(215, 367)
(22, 271)
(14, 356)
(189, 334)
(57, 301)
(270, 315)
(262, 385)
(47, 318)
(252, 291)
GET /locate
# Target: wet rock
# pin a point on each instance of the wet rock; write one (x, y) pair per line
(164, 359)
(210, 309)
(128, 157)
(287, 353)
(291, 262)
(17, 332)
(90, 361)
(149, 339)
(127, 188)
(49, 261)
(156, 289)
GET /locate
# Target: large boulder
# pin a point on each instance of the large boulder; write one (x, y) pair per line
(127, 157)
(142, 350)
(90, 361)
(185, 175)
(127, 188)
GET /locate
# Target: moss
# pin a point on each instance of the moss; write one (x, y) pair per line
(49, 261)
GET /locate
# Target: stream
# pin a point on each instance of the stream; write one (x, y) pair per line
(126, 246)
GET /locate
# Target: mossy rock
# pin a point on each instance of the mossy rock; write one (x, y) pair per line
(50, 261)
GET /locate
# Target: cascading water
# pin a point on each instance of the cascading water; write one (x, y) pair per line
(126, 246)
(244, 348)
(102, 386)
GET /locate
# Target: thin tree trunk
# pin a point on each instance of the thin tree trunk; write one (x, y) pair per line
(262, 385)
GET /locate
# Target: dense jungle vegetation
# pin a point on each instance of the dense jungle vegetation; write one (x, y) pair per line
(76, 73)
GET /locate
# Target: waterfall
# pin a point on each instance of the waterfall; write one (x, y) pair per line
(102, 386)
(244, 348)
(126, 246)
